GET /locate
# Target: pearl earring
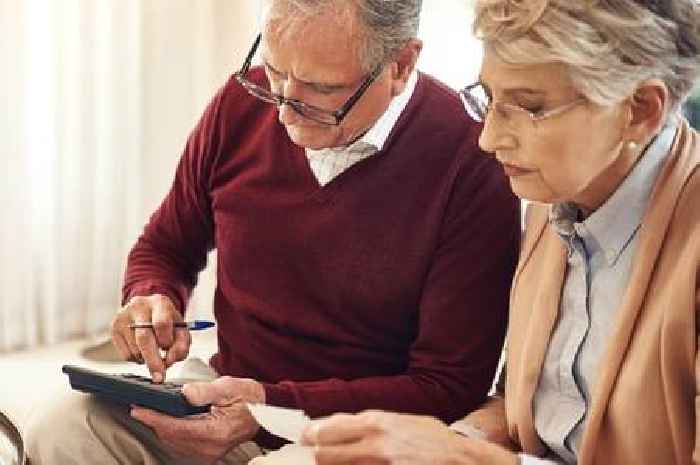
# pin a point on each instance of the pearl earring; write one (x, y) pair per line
(632, 146)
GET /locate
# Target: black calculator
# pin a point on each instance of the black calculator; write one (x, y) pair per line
(131, 389)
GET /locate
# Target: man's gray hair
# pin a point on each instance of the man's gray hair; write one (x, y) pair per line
(386, 25)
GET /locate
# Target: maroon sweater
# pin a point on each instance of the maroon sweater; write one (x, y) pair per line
(387, 288)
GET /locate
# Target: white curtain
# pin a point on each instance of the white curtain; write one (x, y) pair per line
(98, 96)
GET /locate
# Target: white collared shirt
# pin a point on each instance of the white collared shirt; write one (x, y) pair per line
(328, 163)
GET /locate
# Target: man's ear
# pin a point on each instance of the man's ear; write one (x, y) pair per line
(403, 66)
(647, 111)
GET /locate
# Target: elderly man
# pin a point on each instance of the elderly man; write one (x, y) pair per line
(365, 247)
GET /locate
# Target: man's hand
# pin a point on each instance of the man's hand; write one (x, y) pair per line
(373, 438)
(144, 344)
(209, 436)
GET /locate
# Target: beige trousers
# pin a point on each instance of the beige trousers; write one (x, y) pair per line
(79, 429)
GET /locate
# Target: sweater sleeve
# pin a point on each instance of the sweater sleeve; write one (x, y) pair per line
(173, 247)
(462, 314)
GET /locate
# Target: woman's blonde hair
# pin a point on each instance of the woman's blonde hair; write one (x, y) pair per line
(608, 46)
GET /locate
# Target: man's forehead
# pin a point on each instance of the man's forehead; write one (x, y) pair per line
(315, 43)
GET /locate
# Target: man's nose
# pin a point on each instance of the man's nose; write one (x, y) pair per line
(289, 90)
(287, 114)
(292, 89)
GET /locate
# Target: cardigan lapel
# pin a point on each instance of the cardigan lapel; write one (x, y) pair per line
(544, 312)
(651, 236)
(535, 222)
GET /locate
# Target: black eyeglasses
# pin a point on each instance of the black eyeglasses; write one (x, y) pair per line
(312, 112)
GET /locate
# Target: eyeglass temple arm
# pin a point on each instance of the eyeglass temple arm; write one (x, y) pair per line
(358, 94)
(251, 54)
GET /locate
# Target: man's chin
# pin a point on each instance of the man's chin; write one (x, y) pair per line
(313, 138)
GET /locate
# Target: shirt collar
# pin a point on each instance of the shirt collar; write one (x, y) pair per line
(613, 225)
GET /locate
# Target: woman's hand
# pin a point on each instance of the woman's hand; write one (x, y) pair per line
(375, 437)
(490, 421)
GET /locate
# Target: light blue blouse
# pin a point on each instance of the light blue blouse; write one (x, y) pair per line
(600, 254)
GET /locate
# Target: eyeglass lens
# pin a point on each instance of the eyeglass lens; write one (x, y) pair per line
(476, 102)
(263, 92)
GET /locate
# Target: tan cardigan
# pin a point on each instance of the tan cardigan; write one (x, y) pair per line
(644, 408)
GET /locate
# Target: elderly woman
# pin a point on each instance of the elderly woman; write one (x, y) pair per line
(580, 102)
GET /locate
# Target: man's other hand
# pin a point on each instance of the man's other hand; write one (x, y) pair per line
(144, 345)
(209, 436)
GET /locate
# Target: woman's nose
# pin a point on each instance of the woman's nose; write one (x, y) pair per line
(495, 135)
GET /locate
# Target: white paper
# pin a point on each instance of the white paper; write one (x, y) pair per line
(286, 423)
(290, 454)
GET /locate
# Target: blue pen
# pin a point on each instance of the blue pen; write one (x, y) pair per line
(195, 325)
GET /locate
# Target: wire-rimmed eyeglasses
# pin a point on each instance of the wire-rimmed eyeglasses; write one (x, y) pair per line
(479, 104)
(312, 112)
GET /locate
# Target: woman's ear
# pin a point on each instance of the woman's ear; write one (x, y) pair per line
(647, 111)
(404, 64)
